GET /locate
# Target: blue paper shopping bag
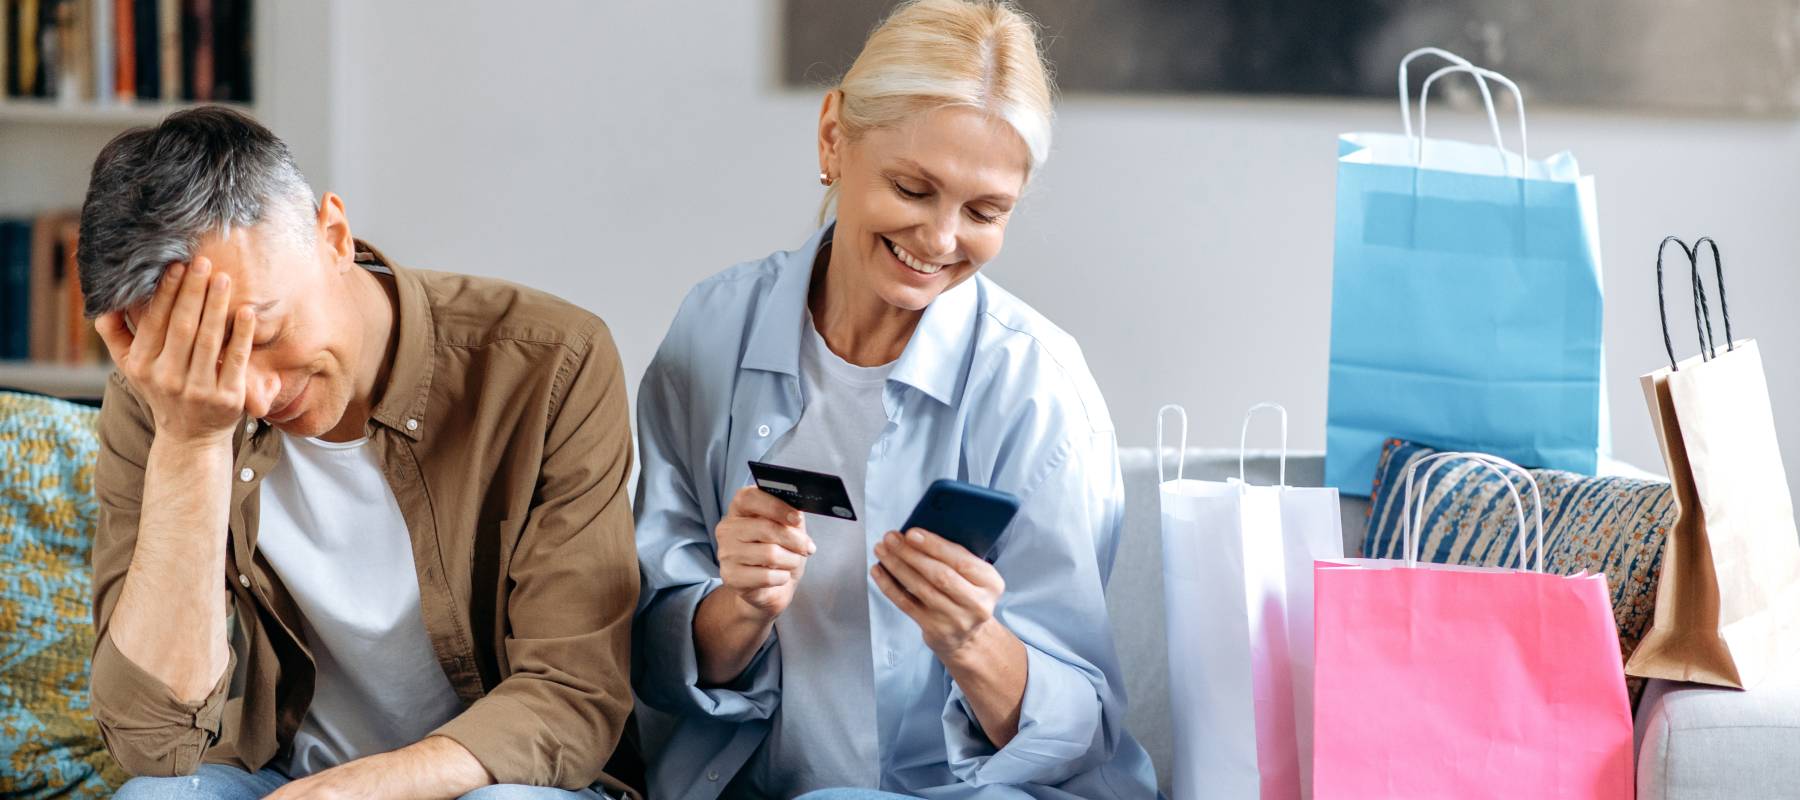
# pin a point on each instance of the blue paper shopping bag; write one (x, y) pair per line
(1466, 304)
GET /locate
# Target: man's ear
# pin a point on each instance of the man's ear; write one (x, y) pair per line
(332, 228)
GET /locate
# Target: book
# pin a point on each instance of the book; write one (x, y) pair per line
(231, 51)
(197, 41)
(100, 41)
(168, 31)
(81, 343)
(147, 48)
(15, 290)
(25, 34)
(124, 51)
(6, 62)
(71, 62)
(44, 283)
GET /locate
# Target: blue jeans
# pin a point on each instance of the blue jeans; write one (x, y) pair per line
(852, 794)
(218, 782)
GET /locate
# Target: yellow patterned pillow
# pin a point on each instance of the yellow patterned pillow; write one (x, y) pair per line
(49, 745)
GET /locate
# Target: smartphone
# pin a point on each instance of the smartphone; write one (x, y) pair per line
(969, 515)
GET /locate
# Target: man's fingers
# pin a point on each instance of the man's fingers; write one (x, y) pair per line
(184, 319)
(155, 319)
(115, 334)
(234, 373)
(209, 337)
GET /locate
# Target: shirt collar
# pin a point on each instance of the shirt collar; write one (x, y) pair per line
(774, 344)
(408, 391)
(935, 361)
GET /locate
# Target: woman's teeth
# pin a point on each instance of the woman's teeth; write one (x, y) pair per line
(916, 265)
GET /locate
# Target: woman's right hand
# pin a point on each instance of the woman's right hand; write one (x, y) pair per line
(763, 549)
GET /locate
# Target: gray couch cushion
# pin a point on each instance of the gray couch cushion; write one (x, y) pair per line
(1706, 743)
(1135, 595)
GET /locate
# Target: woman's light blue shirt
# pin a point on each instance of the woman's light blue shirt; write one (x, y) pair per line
(987, 391)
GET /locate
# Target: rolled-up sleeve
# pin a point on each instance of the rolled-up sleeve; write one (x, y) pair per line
(1054, 559)
(146, 728)
(675, 516)
(558, 714)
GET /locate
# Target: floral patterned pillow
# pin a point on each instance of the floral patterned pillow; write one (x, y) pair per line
(49, 744)
(1613, 526)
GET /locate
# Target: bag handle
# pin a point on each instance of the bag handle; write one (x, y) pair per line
(1700, 294)
(1487, 97)
(1483, 75)
(1180, 454)
(1412, 521)
(1697, 288)
(1244, 435)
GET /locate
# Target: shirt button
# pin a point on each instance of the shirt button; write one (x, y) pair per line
(243, 580)
(412, 424)
(712, 775)
(246, 474)
(893, 657)
(762, 430)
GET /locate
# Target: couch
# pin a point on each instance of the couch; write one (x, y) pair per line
(1694, 742)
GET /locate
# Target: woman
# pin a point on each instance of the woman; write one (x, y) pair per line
(803, 653)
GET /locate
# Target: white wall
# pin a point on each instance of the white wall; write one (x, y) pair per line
(616, 153)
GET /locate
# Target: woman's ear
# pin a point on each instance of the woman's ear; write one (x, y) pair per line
(831, 134)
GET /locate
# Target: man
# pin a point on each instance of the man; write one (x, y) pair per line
(364, 530)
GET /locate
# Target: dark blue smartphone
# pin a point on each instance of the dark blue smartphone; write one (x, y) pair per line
(969, 515)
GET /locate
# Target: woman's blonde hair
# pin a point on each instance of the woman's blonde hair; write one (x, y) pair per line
(930, 54)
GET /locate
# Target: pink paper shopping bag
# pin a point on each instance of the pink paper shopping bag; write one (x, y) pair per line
(1439, 681)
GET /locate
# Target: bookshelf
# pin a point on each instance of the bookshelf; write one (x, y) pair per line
(47, 145)
(108, 115)
(84, 382)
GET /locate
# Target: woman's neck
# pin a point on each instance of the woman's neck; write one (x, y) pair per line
(855, 322)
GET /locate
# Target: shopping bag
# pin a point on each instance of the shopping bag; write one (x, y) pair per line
(1728, 601)
(1237, 583)
(1466, 300)
(1444, 681)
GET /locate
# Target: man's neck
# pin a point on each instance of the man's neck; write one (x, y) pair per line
(377, 302)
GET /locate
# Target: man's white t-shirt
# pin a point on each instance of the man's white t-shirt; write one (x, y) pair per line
(331, 528)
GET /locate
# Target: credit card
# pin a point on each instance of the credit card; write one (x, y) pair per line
(811, 492)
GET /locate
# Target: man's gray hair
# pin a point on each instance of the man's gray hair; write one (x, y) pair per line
(156, 192)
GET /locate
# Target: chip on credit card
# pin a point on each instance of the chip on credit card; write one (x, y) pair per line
(805, 490)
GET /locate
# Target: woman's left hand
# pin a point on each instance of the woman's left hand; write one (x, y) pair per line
(948, 591)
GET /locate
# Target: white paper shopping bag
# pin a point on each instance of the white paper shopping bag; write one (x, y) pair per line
(1237, 578)
(1728, 600)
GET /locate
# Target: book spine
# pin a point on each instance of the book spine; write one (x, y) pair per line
(148, 50)
(85, 346)
(100, 36)
(124, 51)
(15, 297)
(205, 62)
(42, 282)
(78, 60)
(168, 31)
(26, 34)
(7, 9)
